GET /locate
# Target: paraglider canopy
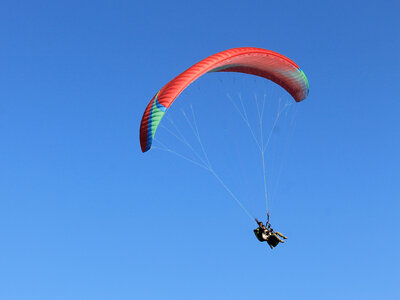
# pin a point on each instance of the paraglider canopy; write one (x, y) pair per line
(254, 61)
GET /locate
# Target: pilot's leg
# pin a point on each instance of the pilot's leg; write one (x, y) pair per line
(279, 238)
(281, 235)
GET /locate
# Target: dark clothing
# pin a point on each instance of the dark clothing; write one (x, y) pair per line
(259, 232)
(273, 240)
(264, 234)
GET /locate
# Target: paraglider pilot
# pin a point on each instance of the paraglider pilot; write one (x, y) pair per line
(267, 234)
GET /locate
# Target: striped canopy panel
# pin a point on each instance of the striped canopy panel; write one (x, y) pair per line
(255, 61)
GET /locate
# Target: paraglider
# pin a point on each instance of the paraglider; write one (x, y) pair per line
(265, 233)
(254, 61)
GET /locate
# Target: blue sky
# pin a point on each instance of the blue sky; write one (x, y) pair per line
(85, 215)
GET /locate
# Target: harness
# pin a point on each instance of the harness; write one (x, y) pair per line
(261, 235)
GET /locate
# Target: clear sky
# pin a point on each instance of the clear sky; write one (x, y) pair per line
(85, 215)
